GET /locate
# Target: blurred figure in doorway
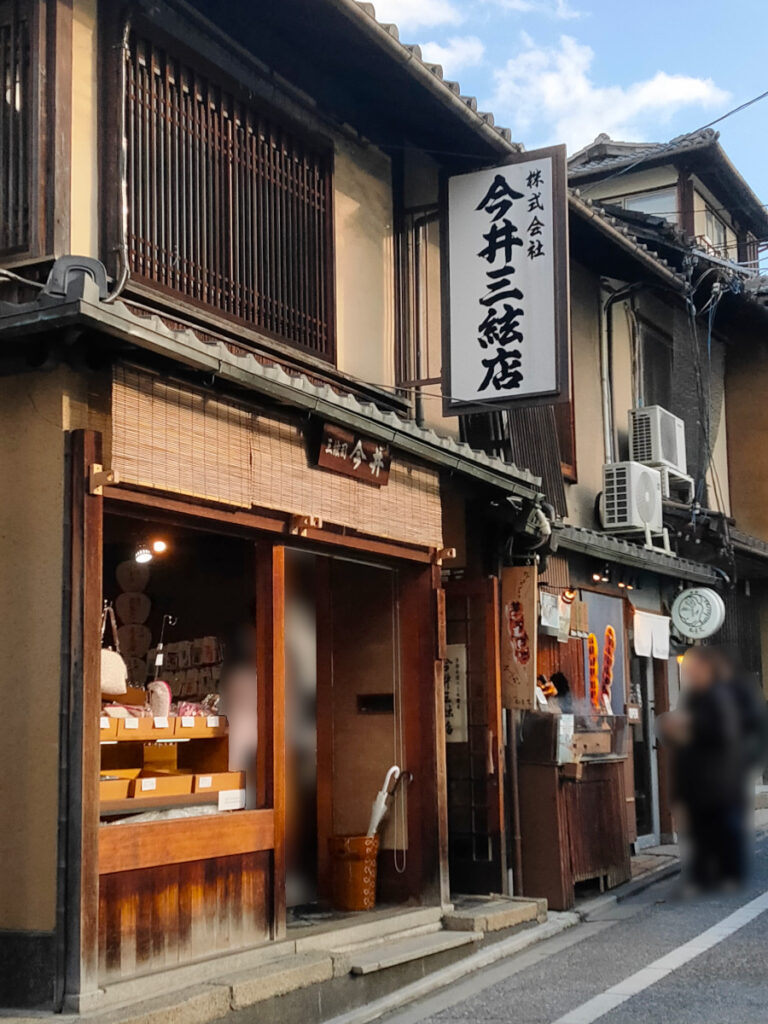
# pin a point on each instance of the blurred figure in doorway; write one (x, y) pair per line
(717, 735)
(240, 703)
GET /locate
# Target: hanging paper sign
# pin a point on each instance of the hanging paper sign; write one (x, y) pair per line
(549, 616)
(507, 330)
(698, 612)
(455, 686)
(342, 451)
(518, 637)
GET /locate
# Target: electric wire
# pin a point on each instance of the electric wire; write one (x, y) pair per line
(674, 143)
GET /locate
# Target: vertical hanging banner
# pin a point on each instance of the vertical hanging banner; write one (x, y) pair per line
(455, 684)
(519, 629)
(506, 332)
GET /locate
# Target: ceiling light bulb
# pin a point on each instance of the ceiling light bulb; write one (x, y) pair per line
(143, 554)
(159, 546)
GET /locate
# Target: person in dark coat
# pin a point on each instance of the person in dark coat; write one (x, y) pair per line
(718, 740)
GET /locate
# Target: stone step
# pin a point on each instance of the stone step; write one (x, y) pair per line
(366, 928)
(495, 914)
(404, 950)
(278, 978)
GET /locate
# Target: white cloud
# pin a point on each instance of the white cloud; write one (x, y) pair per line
(411, 14)
(459, 52)
(560, 9)
(547, 94)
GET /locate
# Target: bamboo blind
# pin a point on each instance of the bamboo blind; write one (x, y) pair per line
(180, 440)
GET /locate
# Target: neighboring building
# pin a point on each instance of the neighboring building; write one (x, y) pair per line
(663, 315)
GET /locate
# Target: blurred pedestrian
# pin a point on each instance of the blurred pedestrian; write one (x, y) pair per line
(718, 739)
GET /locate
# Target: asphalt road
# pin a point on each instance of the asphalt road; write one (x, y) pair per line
(652, 958)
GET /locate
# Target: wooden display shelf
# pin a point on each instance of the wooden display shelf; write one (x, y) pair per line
(152, 730)
(138, 805)
(131, 847)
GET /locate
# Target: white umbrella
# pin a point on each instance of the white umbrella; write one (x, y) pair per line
(379, 808)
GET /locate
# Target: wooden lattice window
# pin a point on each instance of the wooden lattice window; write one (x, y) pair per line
(226, 206)
(15, 126)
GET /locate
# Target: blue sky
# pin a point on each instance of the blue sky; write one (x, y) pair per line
(565, 70)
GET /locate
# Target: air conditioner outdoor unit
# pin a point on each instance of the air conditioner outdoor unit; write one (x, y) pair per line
(631, 498)
(657, 438)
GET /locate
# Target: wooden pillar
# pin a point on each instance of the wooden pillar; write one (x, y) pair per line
(84, 701)
(270, 633)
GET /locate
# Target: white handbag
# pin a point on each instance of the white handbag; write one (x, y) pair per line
(114, 671)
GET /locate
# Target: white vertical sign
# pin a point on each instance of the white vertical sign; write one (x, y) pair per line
(455, 683)
(508, 295)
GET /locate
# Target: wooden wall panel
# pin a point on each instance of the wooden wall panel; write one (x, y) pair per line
(160, 917)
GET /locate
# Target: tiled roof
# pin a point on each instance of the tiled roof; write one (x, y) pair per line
(235, 366)
(616, 228)
(452, 89)
(606, 154)
(607, 547)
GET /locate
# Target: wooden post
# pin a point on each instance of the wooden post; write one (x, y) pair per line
(497, 818)
(324, 719)
(82, 847)
(270, 631)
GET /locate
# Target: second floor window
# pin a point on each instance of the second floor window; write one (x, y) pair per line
(659, 203)
(15, 129)
(226, 207)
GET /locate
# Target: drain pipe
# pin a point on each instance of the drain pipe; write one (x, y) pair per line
(606, 362)
(606, 397)
(122, 247)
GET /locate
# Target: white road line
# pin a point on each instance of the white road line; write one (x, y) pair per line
(595, 1008)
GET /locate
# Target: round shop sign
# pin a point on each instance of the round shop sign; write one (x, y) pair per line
(698, 613)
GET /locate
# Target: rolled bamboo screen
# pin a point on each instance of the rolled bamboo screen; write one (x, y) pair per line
(181, 440)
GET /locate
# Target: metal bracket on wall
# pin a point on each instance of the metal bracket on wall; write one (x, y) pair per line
(98, 477)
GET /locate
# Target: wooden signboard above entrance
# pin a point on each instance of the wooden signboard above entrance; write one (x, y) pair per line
(342, 451)
(518, 636)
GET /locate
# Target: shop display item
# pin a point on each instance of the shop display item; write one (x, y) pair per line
(609, 653)
(114, 671)
(133, 608)
(132, 576)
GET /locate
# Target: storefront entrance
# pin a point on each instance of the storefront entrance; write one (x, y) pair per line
(644, 750)
(201, 852)
(474, 737)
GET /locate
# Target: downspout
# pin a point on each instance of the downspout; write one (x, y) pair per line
(606, 363)
(606, 396)
(122, 246)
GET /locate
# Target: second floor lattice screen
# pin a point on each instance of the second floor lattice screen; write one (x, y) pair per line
(15, 132)
(226, 206)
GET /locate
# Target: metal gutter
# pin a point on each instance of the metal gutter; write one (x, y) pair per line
(613, 549)
(246, 372)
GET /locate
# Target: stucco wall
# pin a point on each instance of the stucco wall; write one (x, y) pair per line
(631, 182)
(588, 419)
(747, 418)
(35, 410)
(364, 264)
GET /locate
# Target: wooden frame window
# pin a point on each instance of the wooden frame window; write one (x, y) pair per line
(227, 207)
(419, 355)
(16, 125)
